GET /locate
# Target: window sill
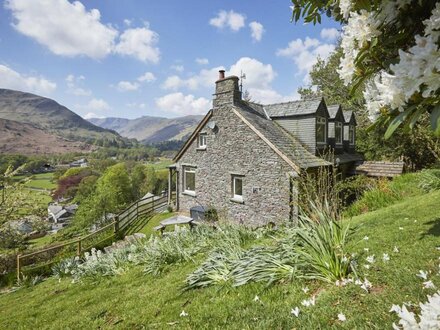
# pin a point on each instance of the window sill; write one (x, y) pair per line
(238, 200)
(201, 148)
(189, 193)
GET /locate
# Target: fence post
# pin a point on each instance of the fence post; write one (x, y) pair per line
(78, 250)
(116, 226)
(18, 268)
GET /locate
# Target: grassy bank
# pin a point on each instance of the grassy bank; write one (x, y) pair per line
(136, 300)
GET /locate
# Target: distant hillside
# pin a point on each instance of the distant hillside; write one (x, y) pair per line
(21, 138)
(149, 129)
(52, 117)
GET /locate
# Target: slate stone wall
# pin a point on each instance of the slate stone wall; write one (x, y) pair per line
(233, 148)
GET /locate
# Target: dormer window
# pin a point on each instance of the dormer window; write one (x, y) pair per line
(321, 130)
(351, 134)
(338, 133)
(202, 141)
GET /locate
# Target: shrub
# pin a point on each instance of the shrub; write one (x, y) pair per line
(430, 180)
(322, 246)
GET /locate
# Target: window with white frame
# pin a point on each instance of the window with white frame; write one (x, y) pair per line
(202, 140)
(351, 134)
(237, 187)
(189, 179)
(321, 130)
(338, 132)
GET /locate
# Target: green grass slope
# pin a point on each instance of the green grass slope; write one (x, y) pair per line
(135, 301)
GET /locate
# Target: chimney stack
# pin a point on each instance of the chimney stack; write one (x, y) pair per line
(227, 90)
(221, 74)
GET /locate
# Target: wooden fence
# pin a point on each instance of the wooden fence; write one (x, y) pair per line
(129, 220)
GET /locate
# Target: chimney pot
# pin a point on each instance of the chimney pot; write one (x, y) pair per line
(221, 74)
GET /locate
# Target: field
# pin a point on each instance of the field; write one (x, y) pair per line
(135, 300)
(42, 181)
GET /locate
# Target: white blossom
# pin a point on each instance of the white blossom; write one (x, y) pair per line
(183, 314)
(396, 249)
(256, 298)
(360, 29)
(341, 317)
(345, 6)
(428, 285)
(366, 285)
(423, 274)
(366, 238)
(309, 302)
(385, 257)
(370, 259)
(417, 71)
(429, 316)
(305, 289)
(295, 311)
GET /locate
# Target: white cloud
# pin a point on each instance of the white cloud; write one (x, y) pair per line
(329, 34)
(127, 22)
(258, 75)
(66, 28)
(178, 68)
(95, 105)
(139, 43)
(304, 53)
(147, 76)
(257, 30)
(13, 80)
(126, 86)
(175, 82)
(73, 88)
(202, 61)
(231, 19)
(258, 82)
(180, 104)
(89, 115)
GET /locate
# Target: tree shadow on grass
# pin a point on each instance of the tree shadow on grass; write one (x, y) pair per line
(434, 229)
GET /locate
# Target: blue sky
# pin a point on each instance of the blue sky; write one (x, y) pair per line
(134, 58)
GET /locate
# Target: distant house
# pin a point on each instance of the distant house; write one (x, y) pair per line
(79, 163)
(60, 213)
(244, 158)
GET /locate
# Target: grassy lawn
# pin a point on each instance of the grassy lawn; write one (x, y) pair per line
(41, 181)
(134, 300)
(155, 221)
(40, 242)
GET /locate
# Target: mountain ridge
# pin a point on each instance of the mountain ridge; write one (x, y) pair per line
(48, 115)
(150, 129)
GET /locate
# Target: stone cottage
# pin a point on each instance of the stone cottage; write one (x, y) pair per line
(243, 158)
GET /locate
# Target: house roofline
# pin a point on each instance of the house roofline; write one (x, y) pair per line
(192, 136)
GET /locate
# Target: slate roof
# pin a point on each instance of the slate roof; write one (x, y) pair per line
(293, 108)
(333, 110)
(347, 115)
(284, 141)
(381, 169)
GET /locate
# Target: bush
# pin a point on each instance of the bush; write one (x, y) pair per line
(430, 180)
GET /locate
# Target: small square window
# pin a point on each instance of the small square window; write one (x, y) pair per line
(202, 141)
